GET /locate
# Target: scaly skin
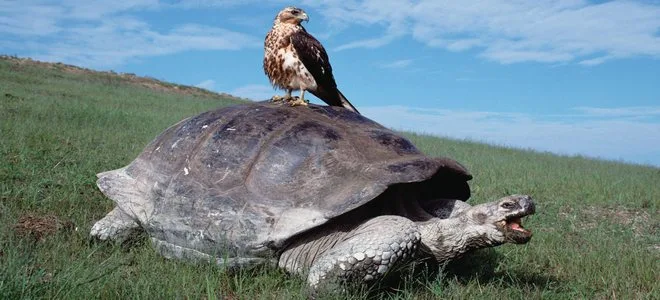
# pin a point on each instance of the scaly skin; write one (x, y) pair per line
(362, 254)
(366, 253)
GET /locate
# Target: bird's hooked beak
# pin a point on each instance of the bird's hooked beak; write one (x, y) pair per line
(303, 17)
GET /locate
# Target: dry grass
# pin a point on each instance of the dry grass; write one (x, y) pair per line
(128, 78)
(40, 227)
(639, 221)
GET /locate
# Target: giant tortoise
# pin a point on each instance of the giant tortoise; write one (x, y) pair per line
(319, 191)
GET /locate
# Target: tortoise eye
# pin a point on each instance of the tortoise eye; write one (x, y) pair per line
(508, 205)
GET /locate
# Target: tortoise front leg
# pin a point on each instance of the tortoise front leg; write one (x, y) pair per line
(116, 225)
(367, 253)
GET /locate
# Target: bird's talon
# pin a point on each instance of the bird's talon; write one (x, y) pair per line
(298, 102)
(284, 98)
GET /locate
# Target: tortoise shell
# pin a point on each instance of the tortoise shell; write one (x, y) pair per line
(241, 180)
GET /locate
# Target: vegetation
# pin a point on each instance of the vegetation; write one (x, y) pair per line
(596, 227)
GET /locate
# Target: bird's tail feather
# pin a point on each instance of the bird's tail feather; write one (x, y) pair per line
(345, 103)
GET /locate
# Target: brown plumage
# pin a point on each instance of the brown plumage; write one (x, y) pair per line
(294, 59)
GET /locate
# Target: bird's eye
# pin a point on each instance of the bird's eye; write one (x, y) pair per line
(295, 11)
(508, 205)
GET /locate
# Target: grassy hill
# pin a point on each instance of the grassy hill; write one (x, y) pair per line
(596, 228)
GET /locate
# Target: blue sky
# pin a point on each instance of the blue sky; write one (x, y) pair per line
(566, 76)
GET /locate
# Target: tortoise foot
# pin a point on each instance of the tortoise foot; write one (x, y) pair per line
(115, 226)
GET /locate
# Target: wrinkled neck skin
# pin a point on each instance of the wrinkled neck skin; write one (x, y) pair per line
(447, 239)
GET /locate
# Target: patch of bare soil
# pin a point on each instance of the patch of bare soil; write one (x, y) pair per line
(130, 78)
(40, 227)
(639, 221)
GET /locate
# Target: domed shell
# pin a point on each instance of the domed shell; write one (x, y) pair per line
(250, 176)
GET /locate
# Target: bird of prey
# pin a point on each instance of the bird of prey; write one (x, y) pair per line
(295, 60)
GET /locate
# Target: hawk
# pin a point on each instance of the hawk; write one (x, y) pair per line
(295, 60)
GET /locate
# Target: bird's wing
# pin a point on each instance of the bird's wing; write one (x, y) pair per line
(313, 56)
(315, 59)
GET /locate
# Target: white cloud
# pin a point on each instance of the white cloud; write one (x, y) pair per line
(188, 4)
(510, 31)
(105, 33)
(208, 84)
(505, 31)
(618, 136)
(397, 64)
(632, 111)
(255, 92)
(369, 43)
(29, 20)
(110, 43)
(595, 61)
(95, 9)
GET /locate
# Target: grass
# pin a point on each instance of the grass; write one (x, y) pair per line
(596, 229)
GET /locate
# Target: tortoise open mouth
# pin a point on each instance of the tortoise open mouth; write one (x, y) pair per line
(514, 231)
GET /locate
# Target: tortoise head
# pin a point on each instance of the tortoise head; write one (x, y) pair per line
(480, 226)
(501, 220)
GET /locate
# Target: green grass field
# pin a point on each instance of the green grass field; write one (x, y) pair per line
(596, 228)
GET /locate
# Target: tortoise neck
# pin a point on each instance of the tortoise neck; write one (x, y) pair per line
(447, 239)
